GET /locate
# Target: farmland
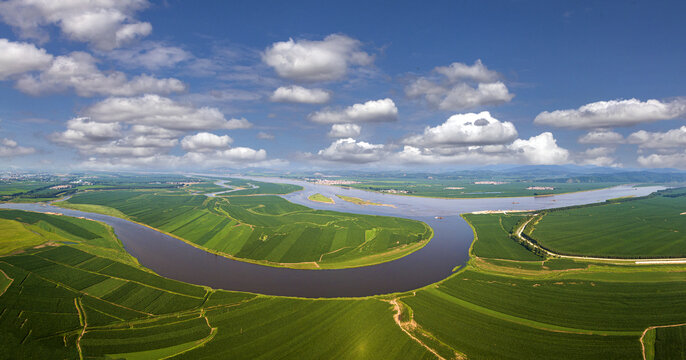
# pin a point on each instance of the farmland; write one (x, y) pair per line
(506, 304)
(648, 227)
(265, 229)
(49, 187)
(22, 229)
(65, 303)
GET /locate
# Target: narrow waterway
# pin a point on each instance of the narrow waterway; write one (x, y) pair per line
(449, 248)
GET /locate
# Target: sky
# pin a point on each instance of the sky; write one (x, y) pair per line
(361, 85)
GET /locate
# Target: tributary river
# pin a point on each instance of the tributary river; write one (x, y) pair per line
(449, 247)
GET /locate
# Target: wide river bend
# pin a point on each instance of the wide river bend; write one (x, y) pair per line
(449, 247)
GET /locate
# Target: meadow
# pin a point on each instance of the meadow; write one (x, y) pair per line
(648, 227)
(265, 229)
(358, 201)
(320, 198)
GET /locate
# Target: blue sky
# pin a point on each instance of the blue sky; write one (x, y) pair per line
(133, 84)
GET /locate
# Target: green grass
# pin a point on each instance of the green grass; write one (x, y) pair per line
(466, 188)
(252, 187)
(23, 229)
(494, 237)
(91, 208)
(649, 227)
(522, 310)
(54, 298)
(528, 310)
(670, 342)
(267, 229)
(320, 198)
(358, 201)
(5, 282)
(17, 236)
(268, 328)
(483, 336)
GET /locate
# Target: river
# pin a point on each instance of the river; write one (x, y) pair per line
(449, 247)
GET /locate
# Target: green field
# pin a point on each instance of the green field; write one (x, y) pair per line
(64, 303)
(499, 307)
(23, 229)
(41, 188)
(495, 237)
(666, 343)
(266, 229)
(466, 188)
(649, 227)
(358, 201)
(320, 198)
(252, 187)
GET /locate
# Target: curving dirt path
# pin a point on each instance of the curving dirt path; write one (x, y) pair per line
(8, 284)
(643, 346)
(411, 325)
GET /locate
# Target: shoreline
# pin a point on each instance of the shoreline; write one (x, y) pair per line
(296, 266)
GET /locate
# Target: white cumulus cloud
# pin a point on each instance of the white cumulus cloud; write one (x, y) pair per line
(204, 141)
(382, 110)
(299, 94)
(460, 86)
(674, 138)
(540, 150)
(466, 129)
(265, 136)
(613, 113)
(19, 57)
(603, 137)
(104, 24)
(351, 151)
(78, 71)
(155, 110)
(10, 148)
(150, 55)
(674, 160)
(460, 71)
(307, 60)
(345, 130)
(598, 156)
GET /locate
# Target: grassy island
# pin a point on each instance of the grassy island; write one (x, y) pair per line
(358, 201)
(264, 229)
(320, 198)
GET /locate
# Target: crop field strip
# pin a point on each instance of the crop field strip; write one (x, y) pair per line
(268, 229)
(650, 227)
(252, 187)
(236, 323)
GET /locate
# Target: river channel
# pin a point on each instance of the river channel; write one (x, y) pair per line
(448, 249)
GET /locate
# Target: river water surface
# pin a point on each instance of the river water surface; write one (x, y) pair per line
(449, 247)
